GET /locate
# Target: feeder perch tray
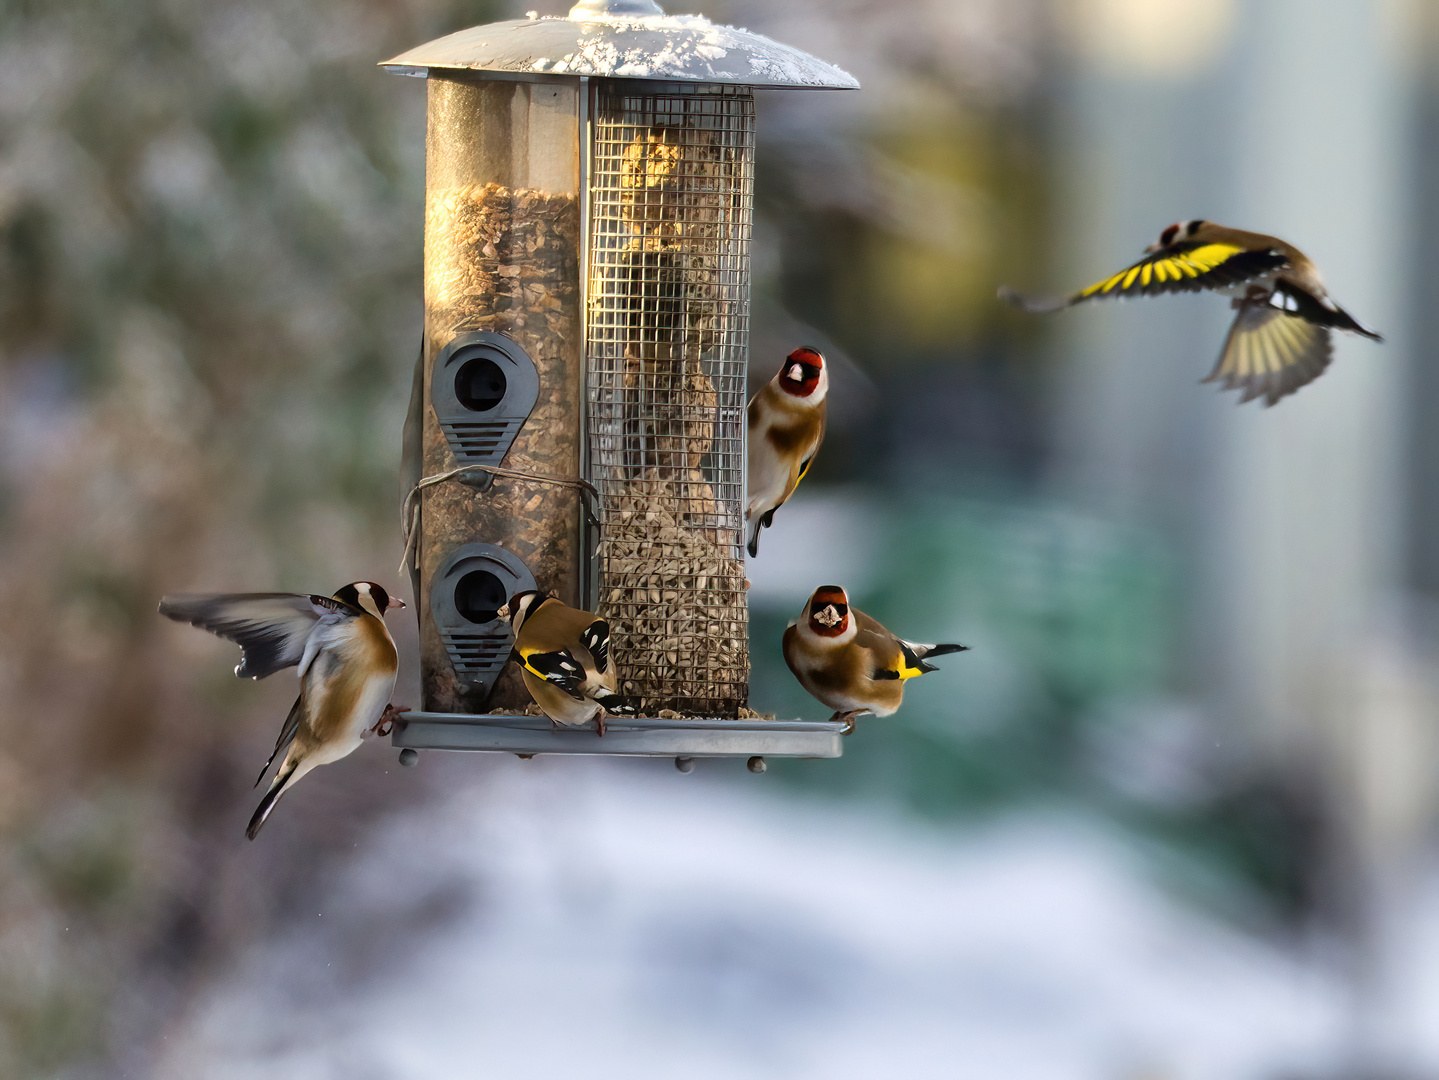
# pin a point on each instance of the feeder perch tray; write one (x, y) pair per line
(626, 735)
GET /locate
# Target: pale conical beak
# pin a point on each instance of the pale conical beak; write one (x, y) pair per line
(797, 373)
(395, 602)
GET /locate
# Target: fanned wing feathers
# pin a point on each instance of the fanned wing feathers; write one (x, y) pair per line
(273, 630)
(1185, 268)
(1270, 353)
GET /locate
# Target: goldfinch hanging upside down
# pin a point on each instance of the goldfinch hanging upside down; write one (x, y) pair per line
(346, 659)
(1278, 342)
(786, 426)
(850, 662)
(564, 656)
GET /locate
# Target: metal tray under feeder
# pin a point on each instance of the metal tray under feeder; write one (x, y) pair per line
(683, 740)
(589, 203)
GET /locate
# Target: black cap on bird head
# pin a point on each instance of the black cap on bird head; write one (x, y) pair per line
(519, 607)
(1182, 230)
(368, 597)
(829, 611)
(802, 372)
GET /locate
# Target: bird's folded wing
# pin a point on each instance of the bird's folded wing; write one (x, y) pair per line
(286, 736)
(1270, 353)
(272, 629)
(559, 668)
(596, 638)
(890, 658)
(1181, 268)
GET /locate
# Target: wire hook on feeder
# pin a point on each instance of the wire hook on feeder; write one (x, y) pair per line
(410, 508)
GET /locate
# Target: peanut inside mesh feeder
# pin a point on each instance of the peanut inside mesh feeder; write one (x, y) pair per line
(589, 198)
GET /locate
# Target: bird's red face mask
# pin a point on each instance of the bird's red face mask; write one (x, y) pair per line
(829, 611)
(801, 372)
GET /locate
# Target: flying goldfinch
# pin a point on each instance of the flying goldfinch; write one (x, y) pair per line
(850, 662)
(786, 426)
(564, 656)
(346, 659)
(1280, 339)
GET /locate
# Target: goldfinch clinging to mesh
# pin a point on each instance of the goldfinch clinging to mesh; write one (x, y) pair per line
(346, 659)
(1280, 339)
(564, 656)
(786, 426)
(850, 662)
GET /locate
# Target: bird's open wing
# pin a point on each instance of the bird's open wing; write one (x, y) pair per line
(559, 668)
(1270, 352)
(1178, 268)
(272, 629)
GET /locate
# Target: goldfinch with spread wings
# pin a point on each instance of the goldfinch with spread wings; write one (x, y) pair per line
(848, 661)
(345, 656)
(564, 656)
(1280, 338)
(786, 426)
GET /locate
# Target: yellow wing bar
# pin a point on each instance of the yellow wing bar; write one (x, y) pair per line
(1211, 265)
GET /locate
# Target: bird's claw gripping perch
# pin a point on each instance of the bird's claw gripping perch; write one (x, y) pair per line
(387, 720)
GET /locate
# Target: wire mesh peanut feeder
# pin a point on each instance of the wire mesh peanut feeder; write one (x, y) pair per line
(578, 424)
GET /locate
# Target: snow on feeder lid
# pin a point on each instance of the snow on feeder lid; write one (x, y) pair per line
(625, 39)
(589, 200)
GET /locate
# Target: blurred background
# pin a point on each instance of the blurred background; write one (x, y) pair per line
(1172, 817)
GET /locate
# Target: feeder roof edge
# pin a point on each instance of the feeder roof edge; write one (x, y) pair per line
(669, 48)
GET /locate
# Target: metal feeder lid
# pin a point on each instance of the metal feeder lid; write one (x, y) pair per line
(625, 39)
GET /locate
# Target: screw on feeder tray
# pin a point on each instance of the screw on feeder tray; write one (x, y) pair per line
(756, 764)
(409, 758)
(685, 764)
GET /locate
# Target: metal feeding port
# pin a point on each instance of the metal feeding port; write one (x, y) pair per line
(589, 204)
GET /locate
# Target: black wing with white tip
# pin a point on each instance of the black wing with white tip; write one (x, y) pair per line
(559, 668)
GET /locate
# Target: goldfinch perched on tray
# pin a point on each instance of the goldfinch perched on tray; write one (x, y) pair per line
(564, 656)
(848, 661)
(346, 659)
(786, 426)
(1278, 342)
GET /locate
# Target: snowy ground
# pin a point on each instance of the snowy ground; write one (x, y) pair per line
(580, 918)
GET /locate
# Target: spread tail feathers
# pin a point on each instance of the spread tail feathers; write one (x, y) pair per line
(278, 787)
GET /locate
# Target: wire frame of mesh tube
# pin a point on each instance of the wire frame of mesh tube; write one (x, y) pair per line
(671, 192)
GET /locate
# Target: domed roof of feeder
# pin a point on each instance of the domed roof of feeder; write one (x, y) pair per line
(624, 39)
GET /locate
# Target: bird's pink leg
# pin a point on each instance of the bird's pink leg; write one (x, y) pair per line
(848, 718)
(387, 720)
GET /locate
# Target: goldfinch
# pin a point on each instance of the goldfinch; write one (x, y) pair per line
(1280, 339)
(564, 656)
(786, 426)
(346, 659)
(848, 661)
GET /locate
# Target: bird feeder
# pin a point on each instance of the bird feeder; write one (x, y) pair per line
(578, 424)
